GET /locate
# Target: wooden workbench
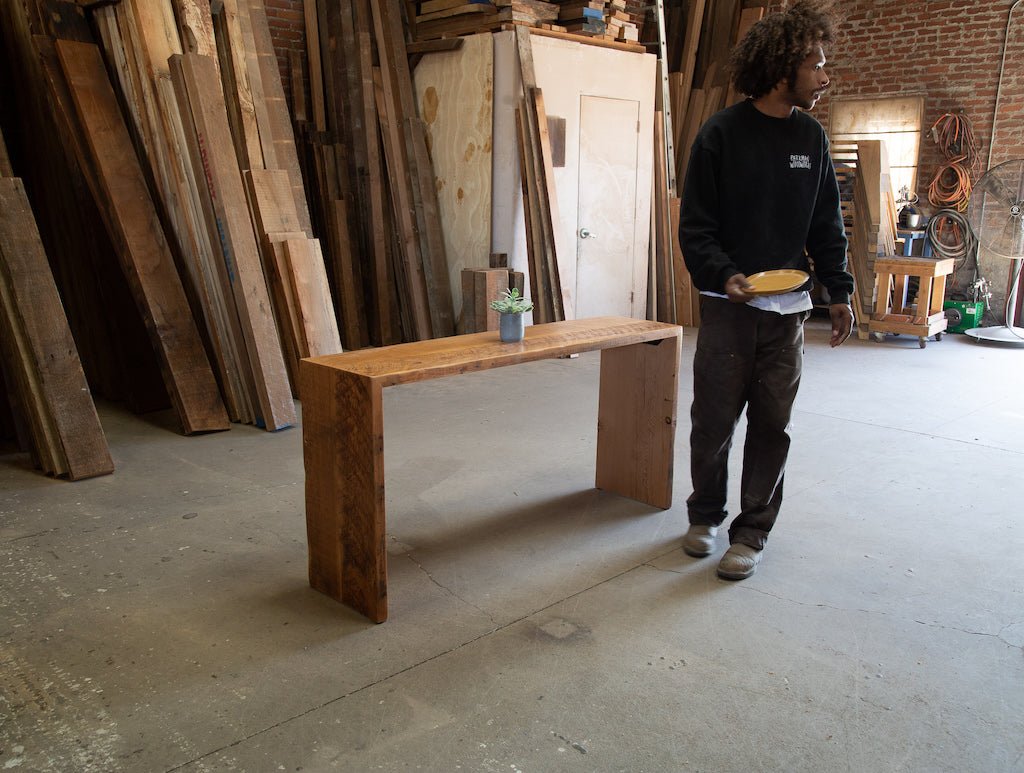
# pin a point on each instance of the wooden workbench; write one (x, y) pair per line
(343, 431)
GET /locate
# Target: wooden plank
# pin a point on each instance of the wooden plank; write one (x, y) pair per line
(286, 313)
(636, 423)
(561, 270)
(467, 322)
(488, 285)
(271, 200)
(195, 22)
(373, 189)
(348, 281)
(32, 303)
(298, 88)
(242, 110)
(135, 230)
(432, 6)
(694, 22)
(256, 85)
(391, 50)
(402, 207)
(661, 237)
(686, 295)
(307, 278)
(316, 74)
(540, 283)
(278, 119)
(228, 213)
(6, 170)
(433, 46)
(460, 10)
(86, 267)
(635, 48)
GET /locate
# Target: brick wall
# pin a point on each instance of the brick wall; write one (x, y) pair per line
(947, 50)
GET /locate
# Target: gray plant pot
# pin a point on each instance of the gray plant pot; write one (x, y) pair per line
(511, 327)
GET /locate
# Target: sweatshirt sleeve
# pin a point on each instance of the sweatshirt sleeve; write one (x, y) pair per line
(709, 265)
(826, 239)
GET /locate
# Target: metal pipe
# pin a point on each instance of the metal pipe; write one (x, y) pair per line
(999, 86)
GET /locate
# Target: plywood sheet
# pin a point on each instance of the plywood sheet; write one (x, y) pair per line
(454, 95)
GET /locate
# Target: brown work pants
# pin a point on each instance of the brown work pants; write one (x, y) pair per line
(753, 358)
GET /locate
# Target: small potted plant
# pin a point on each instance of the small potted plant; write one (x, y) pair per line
(511, 306)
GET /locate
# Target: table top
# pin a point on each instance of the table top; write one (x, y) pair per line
(421, 360)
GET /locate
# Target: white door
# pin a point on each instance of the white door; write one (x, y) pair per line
(606, 225)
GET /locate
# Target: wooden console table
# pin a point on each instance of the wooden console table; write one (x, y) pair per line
(343, 431)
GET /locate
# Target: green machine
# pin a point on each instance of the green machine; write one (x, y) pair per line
(963, 315)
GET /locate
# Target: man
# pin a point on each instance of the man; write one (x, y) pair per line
(760, 190)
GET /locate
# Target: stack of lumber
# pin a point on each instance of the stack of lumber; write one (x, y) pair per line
(50, 408)
(369, 170)
(606, 19)
(604, 22)
(204, 96)
(177, 128)
(869, 214)
(104, 314)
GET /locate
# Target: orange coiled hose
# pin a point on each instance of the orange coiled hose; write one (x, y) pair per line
(951, 187)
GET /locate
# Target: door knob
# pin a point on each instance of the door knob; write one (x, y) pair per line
(586, 233)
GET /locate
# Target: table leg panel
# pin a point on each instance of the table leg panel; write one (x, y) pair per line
(637, 420)
(343, 450)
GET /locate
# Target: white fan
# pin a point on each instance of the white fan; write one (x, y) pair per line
(996, 215)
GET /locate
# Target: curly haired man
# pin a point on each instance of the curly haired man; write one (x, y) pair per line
(760, 194)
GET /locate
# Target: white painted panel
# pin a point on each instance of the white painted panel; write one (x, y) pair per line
(608, 143)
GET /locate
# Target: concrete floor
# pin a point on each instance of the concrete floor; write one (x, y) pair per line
(159, 619)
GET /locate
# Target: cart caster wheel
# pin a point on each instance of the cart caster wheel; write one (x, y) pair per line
(878, 337)
(938, 336)
(922, 342)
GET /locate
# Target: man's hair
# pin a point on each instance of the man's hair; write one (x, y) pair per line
(774, 48)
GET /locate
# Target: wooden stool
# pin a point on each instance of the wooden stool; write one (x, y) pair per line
(923, 316)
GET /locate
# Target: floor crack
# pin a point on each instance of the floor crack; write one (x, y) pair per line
(448, 590)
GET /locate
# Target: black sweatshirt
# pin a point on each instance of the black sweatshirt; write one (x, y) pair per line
(758, 192)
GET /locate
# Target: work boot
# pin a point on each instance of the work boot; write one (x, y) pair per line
(739, 562)
(699, 540)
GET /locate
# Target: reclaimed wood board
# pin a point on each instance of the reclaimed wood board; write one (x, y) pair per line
(60, 395)
(307, 282)
(136, 231)
(228, 215)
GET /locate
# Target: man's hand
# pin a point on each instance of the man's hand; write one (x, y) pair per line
(735, 288)
(842, 323)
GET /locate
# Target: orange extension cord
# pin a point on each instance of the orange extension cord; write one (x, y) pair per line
(951, 187)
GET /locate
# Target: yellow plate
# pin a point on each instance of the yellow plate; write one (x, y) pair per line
(783, 280)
